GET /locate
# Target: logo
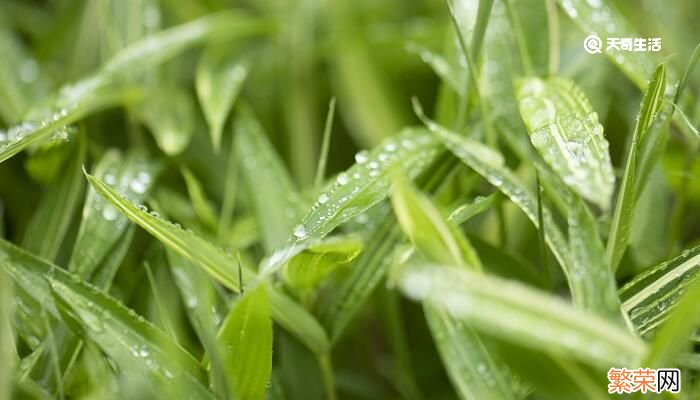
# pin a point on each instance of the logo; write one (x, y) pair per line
(623, 380)
(593, 44)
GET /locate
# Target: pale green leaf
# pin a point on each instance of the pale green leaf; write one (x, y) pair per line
(308, 268)
(618, 237)
(53, 216)
(219, 80)
(200, 203)
(245, 342)
(169, 113)
(187, 244)
(650, 296)
(217, 264)
(273, 194)
(428, 229)
(488, 163)
(565, 131)
(104, 233)
(672, 336)
(137, 347)
(367, 182)
(514, 312)
(588, 253)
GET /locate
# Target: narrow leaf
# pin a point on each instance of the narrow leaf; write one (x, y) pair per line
(272, 192)
(219, 79)
(618, 237)
(511, 311)
(651, 296)
(565, 130)
(217, 264)
(585, 286)
(132, 342)
(53, 216)
(245, 340)
(367, 182)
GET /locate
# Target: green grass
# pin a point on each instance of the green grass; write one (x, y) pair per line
(345, 199)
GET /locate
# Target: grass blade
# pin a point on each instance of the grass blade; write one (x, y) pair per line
(437, 238)
(95, 260)
(517, 313)
(127, 339)
(565, 130)
(475, 373)
(366, 182)
(187, 244)
(217, 264)
(21, 81)
(8, 355)
(650, 296)
(673, 336)
(58, 205)
(488, 164)
(219, 80)
(81, 98)
(308, 268)
(202, 207)
(273, 194)
(245, 340)
(169, 113)
(624, 206)
(588, 253)
(28, 133)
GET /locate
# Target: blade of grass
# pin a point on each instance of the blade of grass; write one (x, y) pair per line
(436, 237)
(308, 268)
(650, 296)
(366, 183)
(219, 80)
(221, 267)
(169, 113)
(624, 206)
(33, 132)
(489, 164)
(53, 216)
(514, 312)
(373, 263)
(200, 203)
(325, 145)
(8, 353)
(273, 194)
(245, 343)
(22, 82)
(76, 100)
(467, 211)
(673, 335)
(127, 339)
(473, 370)
(565, 131)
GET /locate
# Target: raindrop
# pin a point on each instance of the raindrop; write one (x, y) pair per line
(323, 198)
(342, 178)
(300, 231)
(361, 157)
(137, 186)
